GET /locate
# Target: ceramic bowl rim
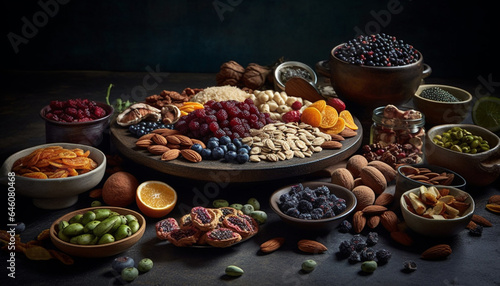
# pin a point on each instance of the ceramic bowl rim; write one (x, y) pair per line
(469, 212)
(424, 86)
(430, 166)
(345, 213)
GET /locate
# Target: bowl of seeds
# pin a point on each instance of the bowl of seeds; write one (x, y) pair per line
(443, 104)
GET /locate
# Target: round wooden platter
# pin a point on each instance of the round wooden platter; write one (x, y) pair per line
(217, 171)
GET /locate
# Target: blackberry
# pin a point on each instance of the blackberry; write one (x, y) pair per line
(368, 254)
(477, 231)
(383, 256)
(372, 239)
(346, 248)
(305, 216)
(359, 242)
(345, 226)
(293, 212)
(354, 257)
(317, 213)
(322, 191)
(377, 50)
(438, 94)
(305, 206)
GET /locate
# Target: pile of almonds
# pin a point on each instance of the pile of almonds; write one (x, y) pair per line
(170, 144)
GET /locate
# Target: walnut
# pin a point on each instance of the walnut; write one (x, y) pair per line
(230, 74)
(255, 76)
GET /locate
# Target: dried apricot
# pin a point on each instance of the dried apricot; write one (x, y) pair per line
(320, 105)
(349, 120)
(329, 117)
(35, 175)
(75, 162)
(311, 116)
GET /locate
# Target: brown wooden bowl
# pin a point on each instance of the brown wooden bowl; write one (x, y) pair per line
(368, 86)
(101, 250)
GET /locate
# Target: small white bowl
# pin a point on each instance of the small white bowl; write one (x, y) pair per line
(55, 193)
(435, 227)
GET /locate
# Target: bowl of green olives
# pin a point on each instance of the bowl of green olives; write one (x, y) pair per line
(470, 150)
(97, 231)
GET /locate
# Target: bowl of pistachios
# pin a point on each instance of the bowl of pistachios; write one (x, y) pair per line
(470, 150)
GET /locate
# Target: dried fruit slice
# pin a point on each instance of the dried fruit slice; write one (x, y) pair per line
(349, 120)
(319, 105)
(155, 198)
(165, 226)
(337, 128)
(329, 117)
(204, 218)
(184, 236)
(239, 224)
(221, 237)
(311, 116)
(36, 175)
(185, 221)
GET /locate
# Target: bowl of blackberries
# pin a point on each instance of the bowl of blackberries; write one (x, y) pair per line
(316, 206)
(79, 121)
(443, 104)
(374, 70)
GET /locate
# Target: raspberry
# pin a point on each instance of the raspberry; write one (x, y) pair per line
(99, 112)
(296, 105)
(249, 101)
(56, 104)
(213, 126)
(210, 118)
(219, 133)
(71, 103)
(233, 111)
(67, 118)
(193, 125)
(291, 116)
(71, 111)
(238, 129)
(221, 115)
(204, 129)
(235, 121)
(200, 113)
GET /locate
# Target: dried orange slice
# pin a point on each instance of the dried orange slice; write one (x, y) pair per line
(59, 174)
(319, 104)
(67, 154)
(337, 128)
(329, 117)
(75, 162)
(349, 120)
(35, 175)
(155, 198)
(311, 116)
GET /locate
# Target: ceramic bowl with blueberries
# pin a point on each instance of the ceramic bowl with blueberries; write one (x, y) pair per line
(80, 121)
(375, 70)
(313, 205)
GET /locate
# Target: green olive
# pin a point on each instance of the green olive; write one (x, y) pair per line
(106, 238)
(456, 148)
(461, 140)
(122, 232)
(134, 226)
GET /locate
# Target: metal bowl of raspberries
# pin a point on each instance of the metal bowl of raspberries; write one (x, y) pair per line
(443, 104)
(375, 70)
(313, 205)
(79, 121)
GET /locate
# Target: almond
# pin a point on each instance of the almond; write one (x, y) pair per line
(471, 225)
(191, 155)
(143, 143)
(184, 140)
(358, 222)
(348, 132)
(374, 210)
(171, 154)
(495, 199)
(157, 149)
(355, 164)
(481, 220)
(384, 199)
(386, 169)
(364, 195)
(173, 139)
(337, 137)
(389, 221)
(159, 139)
(401, 238)
(440, 251)
(174, 146)
(165, 131)
(272, 244)
(493, 208)
(146, 136)
(409, 170)
(373, 221)
(311, 246)
(331, 145)
(342, 177)
(374, 179)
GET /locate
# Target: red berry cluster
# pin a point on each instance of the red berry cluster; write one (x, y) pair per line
(74, 110)
(231, 118)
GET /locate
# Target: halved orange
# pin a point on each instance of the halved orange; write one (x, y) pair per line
(349, 120)
(319, 104)
(155, 198)
(311, 116)
(329, 117)
(337, 128)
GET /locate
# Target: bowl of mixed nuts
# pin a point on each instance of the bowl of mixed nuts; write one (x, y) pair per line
(313, 205)
(437, 211)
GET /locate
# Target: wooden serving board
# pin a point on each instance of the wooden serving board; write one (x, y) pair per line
(217, 171)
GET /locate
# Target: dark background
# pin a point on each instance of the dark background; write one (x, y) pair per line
(197, 36)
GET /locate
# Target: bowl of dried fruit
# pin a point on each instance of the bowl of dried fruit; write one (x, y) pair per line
(437, 211)
(470, 150)
(53, 175)
(79, 121)
(442, 104)
(413, 176)
(97, 231)
(313, 205)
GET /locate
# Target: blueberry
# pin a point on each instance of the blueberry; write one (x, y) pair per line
(140, 132)
(242, 158)
(132, 129)
(231, 147)
(197, 147)
(20, 227)
(242, 151)
(224, 148)
(230, 156)
(122, 262)
(217, 153)
(237, 142)
(211, 144)
(206, 154)
(224, 140)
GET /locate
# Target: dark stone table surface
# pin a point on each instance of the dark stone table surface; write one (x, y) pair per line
(473, 261)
